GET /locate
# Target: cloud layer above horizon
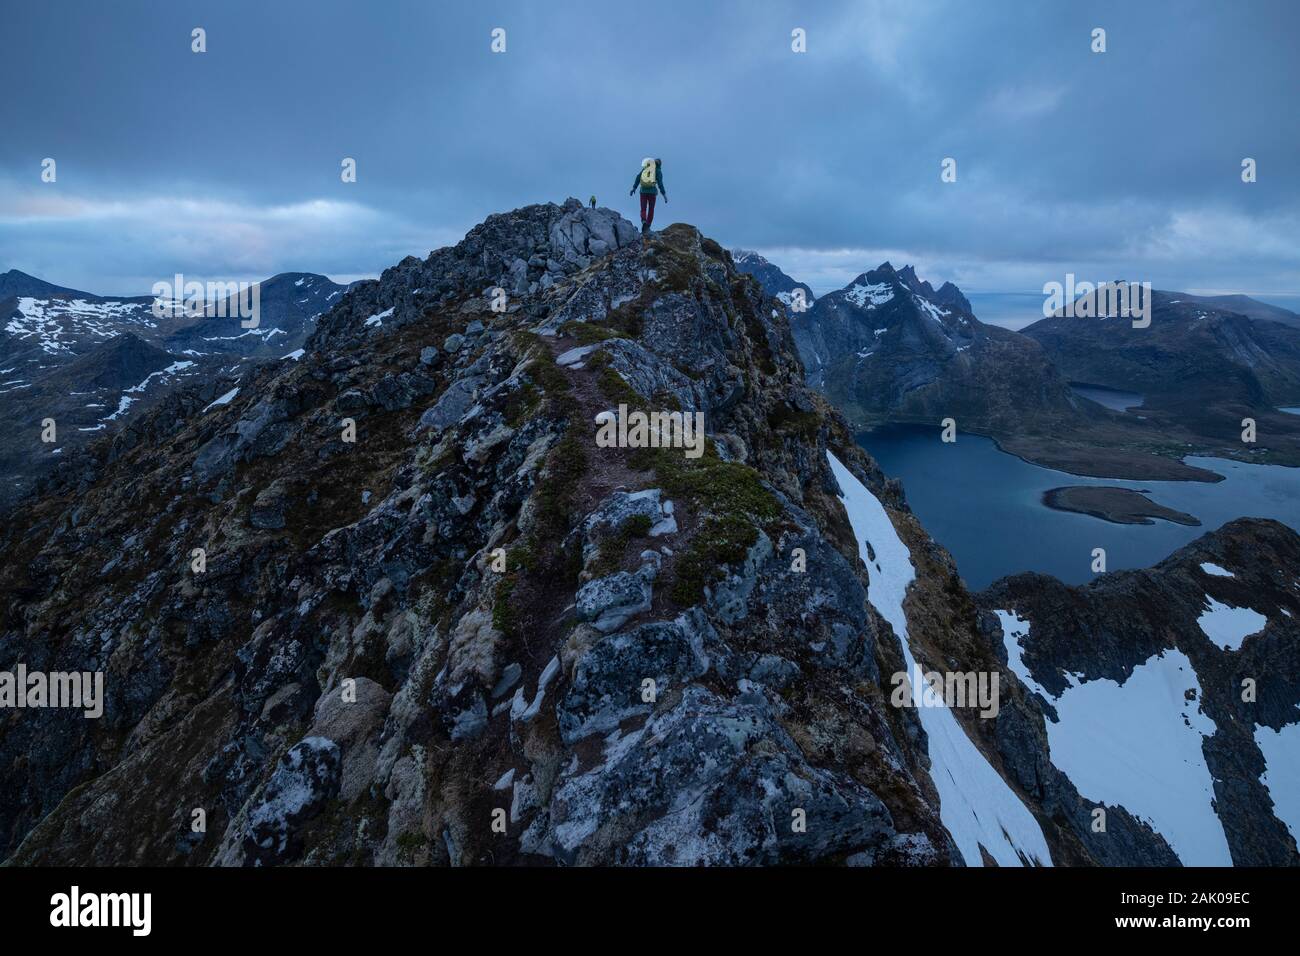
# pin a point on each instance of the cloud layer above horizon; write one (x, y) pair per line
(226, 163)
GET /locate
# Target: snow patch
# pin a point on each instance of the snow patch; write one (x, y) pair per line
(1014, 630)
(169, 370)
(223, 400)
(787, 298)
(264, 334)
(1139, 745)
(51, 321)
(870, 295)
(378, 317)
(1136, 744)
(1281, 776)
(122, 405)
(976, 805)
(1228, 626)
(930, 309)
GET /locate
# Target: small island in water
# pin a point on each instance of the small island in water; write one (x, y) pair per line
(1120, 505)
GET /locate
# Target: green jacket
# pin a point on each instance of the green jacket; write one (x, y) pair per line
(659, 181)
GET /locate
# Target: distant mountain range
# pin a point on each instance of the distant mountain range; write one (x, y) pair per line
(92, 362)
(889, 347)
(1193, 354)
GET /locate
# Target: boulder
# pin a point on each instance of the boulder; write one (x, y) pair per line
(607, 680)
(305, 780)
(451, 406)
(609, 601)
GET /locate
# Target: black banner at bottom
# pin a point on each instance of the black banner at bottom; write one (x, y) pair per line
(304, 906)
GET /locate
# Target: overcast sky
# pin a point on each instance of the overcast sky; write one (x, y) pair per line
(226, 164)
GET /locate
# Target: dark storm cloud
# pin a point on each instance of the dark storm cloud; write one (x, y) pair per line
(227, 163)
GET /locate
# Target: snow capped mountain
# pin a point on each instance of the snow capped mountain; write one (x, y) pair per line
(891, 316)
(891, 347)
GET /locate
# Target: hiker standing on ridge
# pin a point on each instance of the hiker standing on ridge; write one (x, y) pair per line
(651, 181)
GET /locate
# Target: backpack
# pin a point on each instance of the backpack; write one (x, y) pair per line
(648, 177)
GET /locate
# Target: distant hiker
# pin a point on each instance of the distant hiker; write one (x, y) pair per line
(651, 181)
(593, 202)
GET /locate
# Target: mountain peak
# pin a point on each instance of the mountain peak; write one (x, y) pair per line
(18, 283)
(523, 252)
(770, 276)
(119, 362)
(949, 295)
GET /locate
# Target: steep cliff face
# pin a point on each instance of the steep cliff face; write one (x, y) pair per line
(399, 603)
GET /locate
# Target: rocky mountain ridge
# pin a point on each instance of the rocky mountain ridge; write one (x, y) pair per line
(393, 604)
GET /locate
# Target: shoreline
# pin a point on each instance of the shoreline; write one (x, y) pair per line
(1177, 469)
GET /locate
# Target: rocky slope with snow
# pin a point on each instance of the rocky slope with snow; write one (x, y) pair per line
(290, 304)
(1172, 691)
(91, 363)
(395, 603)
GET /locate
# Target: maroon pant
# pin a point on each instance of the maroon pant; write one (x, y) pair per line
(648, 207)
